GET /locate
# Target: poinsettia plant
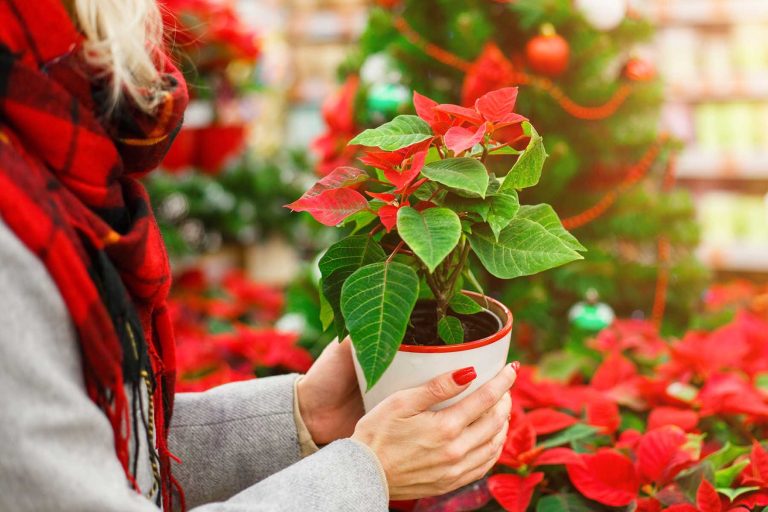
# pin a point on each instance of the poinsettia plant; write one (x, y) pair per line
(428, 200)
(661, 425)
(211, 32)
(225, 332)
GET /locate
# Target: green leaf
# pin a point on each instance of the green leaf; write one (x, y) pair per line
(562, 365)
(472, 280)
(527, 170)
(574, 433)
(468, 205)
(494, 184)
(683, 392)
(735, 493)
(431, 234)
(544, 214)
(465, 176)
(430, 190)
(503, 208)
(562, 503)
(339, 262)
(360, 220)
(523, 248)
(463, 305)
(377, 301)
(727, 454)
(690, 479)
(216, 326)
(761, 381)
(401, 132)
(450, 330)
(326, 310)
(351, 253)
(725, 477)
(503, 150)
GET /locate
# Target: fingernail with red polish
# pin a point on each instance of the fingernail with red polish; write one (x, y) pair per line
(464, 376)
(516, 366)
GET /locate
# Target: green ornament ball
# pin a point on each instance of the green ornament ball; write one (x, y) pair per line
(387, 99)
(592, 317)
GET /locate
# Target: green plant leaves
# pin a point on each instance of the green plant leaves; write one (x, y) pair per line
(523, 248)
(450, 330)
(735, 493)
(544, 214)
(503, 208)
(562, 503)
(577, 432)
(431, 234)
(326, 311)
(401, 132)
(339, 262)
(725, 477)
(465, 176)
(689, 480)
(527, 170)
(727, 454)
(467, 204)
(377, 301)
(463, 305)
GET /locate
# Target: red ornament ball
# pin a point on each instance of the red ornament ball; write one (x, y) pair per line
(548, 53)
(639, 70)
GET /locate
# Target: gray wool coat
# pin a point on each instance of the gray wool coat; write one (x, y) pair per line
(238, 443)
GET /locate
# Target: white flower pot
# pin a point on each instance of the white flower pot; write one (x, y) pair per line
(415, 365)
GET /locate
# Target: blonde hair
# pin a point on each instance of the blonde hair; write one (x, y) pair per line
(124, 39)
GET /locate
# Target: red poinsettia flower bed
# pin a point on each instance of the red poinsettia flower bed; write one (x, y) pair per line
(211, 32)
(224, 333)
(339, 115)
(661, 425)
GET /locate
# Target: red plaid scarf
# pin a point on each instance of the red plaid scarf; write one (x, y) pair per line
(68, 190)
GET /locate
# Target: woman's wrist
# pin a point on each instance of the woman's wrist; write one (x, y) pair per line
(307, 444)
(310, 409)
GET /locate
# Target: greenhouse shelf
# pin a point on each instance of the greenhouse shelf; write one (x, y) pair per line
(715, 165)
(708, 12)
(736, 257)
(737, 88)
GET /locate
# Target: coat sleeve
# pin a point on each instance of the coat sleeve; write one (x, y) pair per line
(233, 436)
(236, 435)
(57, 450)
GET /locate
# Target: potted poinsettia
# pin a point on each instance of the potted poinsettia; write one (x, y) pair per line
(424, 205)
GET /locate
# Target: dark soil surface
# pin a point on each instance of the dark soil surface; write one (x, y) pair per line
(422, 329)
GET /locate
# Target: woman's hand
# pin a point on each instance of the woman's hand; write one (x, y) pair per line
(329, 397)
(427, 453)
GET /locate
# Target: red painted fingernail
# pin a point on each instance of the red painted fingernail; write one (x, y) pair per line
(516, 366)
(464, 376)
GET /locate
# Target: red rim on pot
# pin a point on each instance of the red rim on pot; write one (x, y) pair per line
(506, 328)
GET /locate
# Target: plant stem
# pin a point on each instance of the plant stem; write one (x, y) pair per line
(454, 276)
(443, 281)
(397, 249)
(431, 197)
(499, 147)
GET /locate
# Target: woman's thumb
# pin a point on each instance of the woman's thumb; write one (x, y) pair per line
(442, 388)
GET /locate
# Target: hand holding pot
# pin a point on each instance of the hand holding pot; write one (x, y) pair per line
(426, 453)
(329, 398)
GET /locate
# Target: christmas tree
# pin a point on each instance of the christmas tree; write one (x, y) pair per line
(597, 103)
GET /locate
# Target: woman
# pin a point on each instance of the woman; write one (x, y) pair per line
(88, 103)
